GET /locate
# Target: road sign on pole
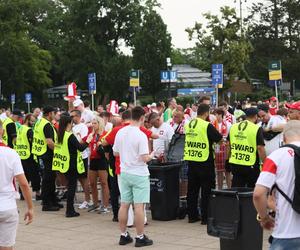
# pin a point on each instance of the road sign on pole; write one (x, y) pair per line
(134, 80)
(28, 100)
(92, 86)
(13, 101)
(28, 97)
(275, 74)
(217, 75)
(92, 83)
(168, 76)
(217, 78)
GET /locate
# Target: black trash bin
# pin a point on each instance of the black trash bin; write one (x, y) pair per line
(232, 218)
(164, 190)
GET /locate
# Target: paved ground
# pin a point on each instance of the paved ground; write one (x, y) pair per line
(92, 231)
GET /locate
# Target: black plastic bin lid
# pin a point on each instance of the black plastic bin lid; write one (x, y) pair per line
(238, 191)
(165, 165)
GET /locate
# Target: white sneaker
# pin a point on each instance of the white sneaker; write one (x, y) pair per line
(90, 203)
(104, 210)
(84, 205)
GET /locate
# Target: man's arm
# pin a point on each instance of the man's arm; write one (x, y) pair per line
(49, 135)
(261, 152)
(147, 157)
(260, 200)
(27, 196)
(261, 144)
(213, 134)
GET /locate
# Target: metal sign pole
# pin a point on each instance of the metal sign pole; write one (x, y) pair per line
(134, 96)
(28, 105)
(93, 108)
(276, 94)
(217, 95)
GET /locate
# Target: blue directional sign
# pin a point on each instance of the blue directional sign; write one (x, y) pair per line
(28, 97)
(217, 75)
(13, 98)
(92, 83)
(168, 76)
(195, 91)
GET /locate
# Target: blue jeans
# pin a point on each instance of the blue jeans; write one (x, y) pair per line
(285, 244)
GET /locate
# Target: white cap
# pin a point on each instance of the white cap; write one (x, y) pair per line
(153, 104)
(77, 102)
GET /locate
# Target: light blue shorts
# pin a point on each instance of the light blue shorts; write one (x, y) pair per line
(134, 188)
(285, 244)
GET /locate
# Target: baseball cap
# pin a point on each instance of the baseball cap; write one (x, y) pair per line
(48, 109)
(264, 107)
(153, 104)
(294, 105)
(77, 102)
(251, 111)
(273, 98)
(17, 112)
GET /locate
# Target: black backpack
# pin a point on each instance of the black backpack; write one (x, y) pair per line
(295, 203)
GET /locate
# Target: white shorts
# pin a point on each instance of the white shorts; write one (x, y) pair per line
(8, 227)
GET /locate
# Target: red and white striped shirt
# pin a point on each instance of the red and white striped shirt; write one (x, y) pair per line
(230, 118)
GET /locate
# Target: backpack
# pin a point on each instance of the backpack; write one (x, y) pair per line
(295, 202)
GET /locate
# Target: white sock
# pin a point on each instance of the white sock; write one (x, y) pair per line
(140, 236)
(124, 234)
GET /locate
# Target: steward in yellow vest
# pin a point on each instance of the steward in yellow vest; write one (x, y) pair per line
(67, 159)
(246, 150)
(10, 128)
(23, 147)
(44, 136)
(198, 151)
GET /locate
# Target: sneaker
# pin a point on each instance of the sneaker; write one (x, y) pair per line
(103, 210)
(124, 240)
(93, 208)
(90, 203)
(145, 241)
(84, 205)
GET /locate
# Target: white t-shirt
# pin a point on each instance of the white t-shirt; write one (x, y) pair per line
(81, 130)
(277, 141)
(131, 143)
(3, 116)
(10, 166)
(108, 126)
(279, 168)
(165, 133)
(87, 116)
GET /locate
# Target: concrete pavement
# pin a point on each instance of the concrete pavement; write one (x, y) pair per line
(92, 231)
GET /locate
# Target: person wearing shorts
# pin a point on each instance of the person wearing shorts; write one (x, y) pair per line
(80, 130)
(10, 170)
(98, 167)
(134, 178)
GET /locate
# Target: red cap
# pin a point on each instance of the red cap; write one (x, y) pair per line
(273, 98)
(294, 105)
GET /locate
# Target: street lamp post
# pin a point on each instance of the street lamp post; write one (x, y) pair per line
(241, 13)
(169, 67)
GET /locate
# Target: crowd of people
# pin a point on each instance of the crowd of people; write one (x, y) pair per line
(225, 146)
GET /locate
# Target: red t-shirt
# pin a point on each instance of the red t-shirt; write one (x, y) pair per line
(273, 110)
(93, 146)
(110, 139)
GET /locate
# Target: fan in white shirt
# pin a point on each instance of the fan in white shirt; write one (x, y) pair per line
(278, 169)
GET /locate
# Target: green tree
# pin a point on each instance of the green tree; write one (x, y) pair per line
(274, 31)
(24, 66)
(152, 45)
(221, 42)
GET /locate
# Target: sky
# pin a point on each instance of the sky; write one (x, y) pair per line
(181, 14)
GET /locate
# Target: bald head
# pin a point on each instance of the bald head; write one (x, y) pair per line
(291, 131)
